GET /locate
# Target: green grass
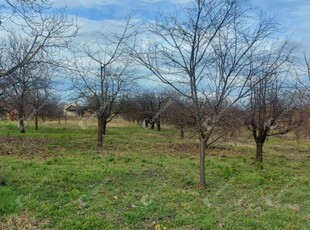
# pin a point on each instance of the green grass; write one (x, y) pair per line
(56, 178)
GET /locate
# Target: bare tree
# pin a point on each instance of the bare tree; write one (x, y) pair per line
(273, 111)
(274, 96)
(306, 87)
(43, 31)
(180, 114)
(39, 99)
(53, 108)
(130, 109)
(21, 87)
(203, 52)
(146, 107)
(150, 105)
(102, 88)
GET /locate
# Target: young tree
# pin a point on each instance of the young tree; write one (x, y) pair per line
(273, 110)
(151, 106)
(24, 90)
(39, 99)
(53, 108)
(102, 88)
(203, 52)
(180, 114)
(130, 109)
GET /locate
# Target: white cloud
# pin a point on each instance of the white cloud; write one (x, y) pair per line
(84, 3)
(181, 1)
(293, 16)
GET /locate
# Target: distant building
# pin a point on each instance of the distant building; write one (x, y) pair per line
(12, 115)
(72, 110)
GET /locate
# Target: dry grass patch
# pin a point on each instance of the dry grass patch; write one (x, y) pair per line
(26, 147)
(21, 222)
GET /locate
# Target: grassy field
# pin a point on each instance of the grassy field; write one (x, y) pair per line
(56, 178)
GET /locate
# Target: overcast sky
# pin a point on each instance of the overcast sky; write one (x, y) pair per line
(293, 15)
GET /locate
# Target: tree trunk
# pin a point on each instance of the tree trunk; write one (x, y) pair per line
(104, 126)
(202, 162)
(158, 124)
(145, 123)
(21, 125)
(308, 120)
(308, 125)
(259, 152)
(36, 122)
(182, 132)
(100, 132)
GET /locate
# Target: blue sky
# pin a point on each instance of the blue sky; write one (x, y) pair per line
(293, 15)
(117, 9)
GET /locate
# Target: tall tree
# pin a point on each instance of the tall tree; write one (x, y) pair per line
(203, 52)
(102, 73)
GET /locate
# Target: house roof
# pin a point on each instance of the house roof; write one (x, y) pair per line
(72, 106)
